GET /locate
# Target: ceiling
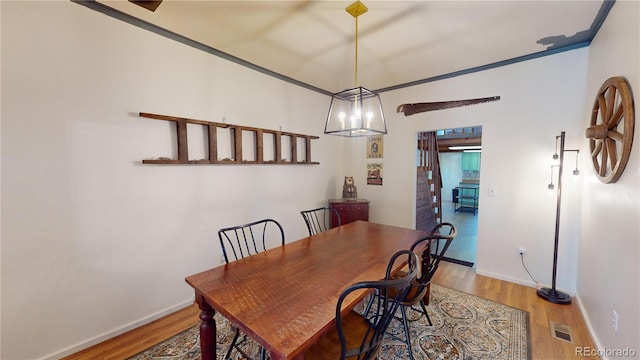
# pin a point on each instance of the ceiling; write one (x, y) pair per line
(400, 43)
(450, 139)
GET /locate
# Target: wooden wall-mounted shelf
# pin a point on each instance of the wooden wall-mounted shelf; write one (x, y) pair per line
(235, 132)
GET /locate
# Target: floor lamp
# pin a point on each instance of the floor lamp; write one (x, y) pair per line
(551, 294)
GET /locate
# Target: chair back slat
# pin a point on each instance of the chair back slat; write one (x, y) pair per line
(434, 247)
(249, 239)
(319, 220)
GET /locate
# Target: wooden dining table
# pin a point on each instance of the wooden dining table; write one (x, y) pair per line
(285, 298)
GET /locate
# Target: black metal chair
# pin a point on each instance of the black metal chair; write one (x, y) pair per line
(359, 336)
(432, 248)
(319, 220)
(250, 239)
(246, 240)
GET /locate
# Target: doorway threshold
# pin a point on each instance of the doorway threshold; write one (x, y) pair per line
(456, 261)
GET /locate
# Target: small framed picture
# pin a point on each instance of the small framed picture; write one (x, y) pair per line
(374, 173)
(374, 147)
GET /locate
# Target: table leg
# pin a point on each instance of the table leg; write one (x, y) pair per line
(207, 330)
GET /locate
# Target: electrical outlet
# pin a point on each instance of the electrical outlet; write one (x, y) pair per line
(614, 321)
(522, 250)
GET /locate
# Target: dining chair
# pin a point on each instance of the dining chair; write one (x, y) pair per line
(359, 335)
(249, 239)
(246, 240)
(319, 220)
(432, 249)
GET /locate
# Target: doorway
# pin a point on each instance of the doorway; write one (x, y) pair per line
(459, 158)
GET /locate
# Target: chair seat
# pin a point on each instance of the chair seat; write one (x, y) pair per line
(400, 273)
(417, 293)
(328, 347)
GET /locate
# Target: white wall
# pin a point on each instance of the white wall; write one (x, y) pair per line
(539, 99)
(94, 242)
(452, 174)
(609, 274)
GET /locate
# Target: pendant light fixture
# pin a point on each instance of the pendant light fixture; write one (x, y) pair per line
(358, 111)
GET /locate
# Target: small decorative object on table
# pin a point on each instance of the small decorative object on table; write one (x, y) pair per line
(349, 189)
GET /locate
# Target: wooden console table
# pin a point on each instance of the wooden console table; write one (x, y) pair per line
(350, 210)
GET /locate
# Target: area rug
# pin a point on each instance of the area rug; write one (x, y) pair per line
(465, 327)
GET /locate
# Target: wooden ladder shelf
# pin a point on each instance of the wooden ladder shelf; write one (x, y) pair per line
(236, 135)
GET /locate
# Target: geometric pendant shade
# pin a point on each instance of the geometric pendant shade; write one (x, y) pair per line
(355, 112)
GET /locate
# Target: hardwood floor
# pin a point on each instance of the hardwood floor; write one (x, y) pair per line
(458, 277)
(137, 340)
(465, 245)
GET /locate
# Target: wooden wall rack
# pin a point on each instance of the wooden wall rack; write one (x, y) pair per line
(236, 137)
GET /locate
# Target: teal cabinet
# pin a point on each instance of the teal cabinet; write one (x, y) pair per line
(470, 161)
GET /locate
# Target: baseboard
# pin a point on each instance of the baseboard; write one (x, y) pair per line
(505, 278)
(518, 281)
(119, 331)
(590, 329)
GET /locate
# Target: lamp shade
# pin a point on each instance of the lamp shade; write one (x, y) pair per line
(355, 112)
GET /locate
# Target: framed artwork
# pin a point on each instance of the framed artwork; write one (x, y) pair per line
(374, 173)
(374, 147)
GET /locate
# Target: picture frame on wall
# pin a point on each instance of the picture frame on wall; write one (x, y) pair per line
(374, 173)
(375, 147)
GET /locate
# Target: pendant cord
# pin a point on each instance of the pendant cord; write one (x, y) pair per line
(356, 62)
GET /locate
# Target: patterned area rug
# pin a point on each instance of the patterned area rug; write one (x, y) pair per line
(465, 327)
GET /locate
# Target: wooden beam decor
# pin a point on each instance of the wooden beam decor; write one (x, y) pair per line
(294, 149)
(236, 138)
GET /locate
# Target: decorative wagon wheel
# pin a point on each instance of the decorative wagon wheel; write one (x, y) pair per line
(611, 130)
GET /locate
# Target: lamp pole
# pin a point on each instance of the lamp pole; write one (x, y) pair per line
(551, 294)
